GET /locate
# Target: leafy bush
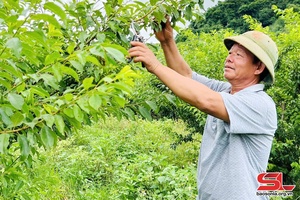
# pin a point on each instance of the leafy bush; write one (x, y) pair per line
(118, 160)
(286, 94)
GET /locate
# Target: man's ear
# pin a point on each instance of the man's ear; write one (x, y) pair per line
(259, 68)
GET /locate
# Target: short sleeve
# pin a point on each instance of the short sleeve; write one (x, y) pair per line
(253, 112)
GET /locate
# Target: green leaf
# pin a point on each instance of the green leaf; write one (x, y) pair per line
(6, 76)
(77, 65)
(121, 86)
(39, 91)
(49, 119)
(93, 60)
(56, 9)
(17, 118)
(115, 46)
(152, 105)
(4, 117)
(126, 73)
(56, 69)
(108, 8)
(171, 99)
(145, 113)
(153, 2)
(12, 69)
(81, 56)
(49, 108)
(129, 112)
(115, 53)
(5, 83)
(84, 105)
(49, 80)
(4, 142)
(15, 45)
(97, 51)
(60, 124)
(95, 101)
(83, 37)
(16, 100)
(78, 114)
(69, 96)
(188, 12)
(32, 123)
(161, 179)
(70, 71)
(120, 100)
(37, 36)
(88, 83)
(51, 58)
(69, 112)
(101, 37)
(47, 18)
(71, 47)
(24, 146)
(48, 137)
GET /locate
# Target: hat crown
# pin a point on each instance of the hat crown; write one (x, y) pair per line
(265, 42)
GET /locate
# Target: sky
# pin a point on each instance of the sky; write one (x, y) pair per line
(209, 3)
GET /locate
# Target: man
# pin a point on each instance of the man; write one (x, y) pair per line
(241, 118)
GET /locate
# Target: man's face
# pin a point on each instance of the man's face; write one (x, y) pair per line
(239, 65)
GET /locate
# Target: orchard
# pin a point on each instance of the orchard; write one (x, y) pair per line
(64, 66)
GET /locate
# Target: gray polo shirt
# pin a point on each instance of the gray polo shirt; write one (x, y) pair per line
(233, 154)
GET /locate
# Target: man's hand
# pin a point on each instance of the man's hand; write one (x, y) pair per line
(166, 34)
(142, 53)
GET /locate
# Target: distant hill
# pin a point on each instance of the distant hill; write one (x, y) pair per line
(229, 14)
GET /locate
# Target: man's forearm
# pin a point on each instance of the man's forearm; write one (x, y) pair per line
(174, 59)
(193, 92)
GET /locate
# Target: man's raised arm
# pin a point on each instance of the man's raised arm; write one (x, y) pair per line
(173, 58)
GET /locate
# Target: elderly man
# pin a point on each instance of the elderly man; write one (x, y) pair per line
(242, 118)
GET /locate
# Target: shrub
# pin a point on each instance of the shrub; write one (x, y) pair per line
(120, 160)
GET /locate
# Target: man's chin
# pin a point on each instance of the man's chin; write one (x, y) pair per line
(227, 77)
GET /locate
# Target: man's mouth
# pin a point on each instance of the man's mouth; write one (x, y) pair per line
(228, 67)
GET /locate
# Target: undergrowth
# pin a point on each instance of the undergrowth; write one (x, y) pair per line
(119, 160)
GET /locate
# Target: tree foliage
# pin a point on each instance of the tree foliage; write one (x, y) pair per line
(285, 155)
(63, 65)
(229, 14)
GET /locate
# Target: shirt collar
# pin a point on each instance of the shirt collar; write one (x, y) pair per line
(253, 88)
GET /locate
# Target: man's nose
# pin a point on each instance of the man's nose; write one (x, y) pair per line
(228, 58)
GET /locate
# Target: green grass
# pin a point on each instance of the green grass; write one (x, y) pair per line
(118, 160)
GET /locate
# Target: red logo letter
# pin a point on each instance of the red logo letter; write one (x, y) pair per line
(272, 181)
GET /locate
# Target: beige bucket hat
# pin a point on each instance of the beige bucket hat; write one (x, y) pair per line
(261, 45)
